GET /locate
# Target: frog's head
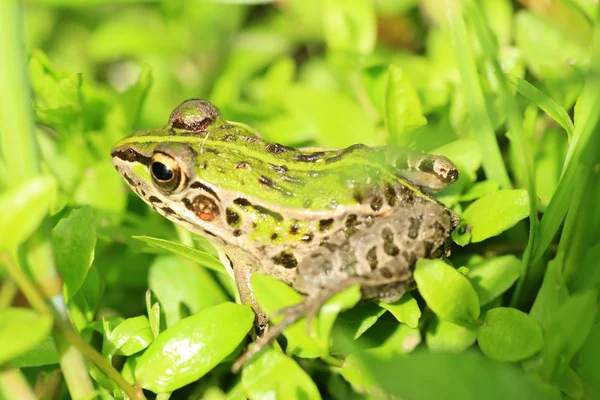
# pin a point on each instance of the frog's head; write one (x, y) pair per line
(160, 165)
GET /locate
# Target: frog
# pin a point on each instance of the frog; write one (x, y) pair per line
(318, 219)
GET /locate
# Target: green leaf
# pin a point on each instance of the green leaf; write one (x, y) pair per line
(496, 212)
(271, 374)
(551, 295)
(129, 337)
(456, 376)
(177, 282)
(20, 330)
(390, 339)
(447, 292)
(493, 277)
(22, 209)
(74, 241)
(479, 189)
(543, 101)
(192, 347)
(445, 336)
(509, 335)
(191, 253)
(402, 107)
(587, 363)
(405, 310)
(567, 331)
(349, 26)
(360, 319)
(43, 353)
(273, 295)
(99, 180)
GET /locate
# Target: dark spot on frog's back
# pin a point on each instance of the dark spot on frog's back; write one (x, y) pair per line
(232, 217)
(372, 258)
(167, 210)
(390, 195)
(312, 157)
(194, 115)
(376, 203)
(242, 165)
(325, 224)
(276, 148)
(286, 259)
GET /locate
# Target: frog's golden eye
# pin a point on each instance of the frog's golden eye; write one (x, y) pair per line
(166, 173)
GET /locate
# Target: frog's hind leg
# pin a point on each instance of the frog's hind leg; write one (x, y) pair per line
(309, 308)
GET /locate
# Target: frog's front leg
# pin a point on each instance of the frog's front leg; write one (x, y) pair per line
(241, 266)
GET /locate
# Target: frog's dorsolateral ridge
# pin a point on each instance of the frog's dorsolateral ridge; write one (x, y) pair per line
(321, 220)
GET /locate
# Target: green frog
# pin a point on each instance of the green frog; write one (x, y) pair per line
(320, 220)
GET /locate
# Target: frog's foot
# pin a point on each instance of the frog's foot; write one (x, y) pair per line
(308, 309)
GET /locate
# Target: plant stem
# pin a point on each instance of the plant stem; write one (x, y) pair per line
(13, 386)
(36, 299)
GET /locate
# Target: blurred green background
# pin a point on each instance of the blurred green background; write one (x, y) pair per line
(506, 89)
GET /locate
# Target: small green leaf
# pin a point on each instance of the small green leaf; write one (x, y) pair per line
(403, 113)
(74, 240)
(20, 330)
(496, 212)
(193, 346)
(445, 336)
(509, 335)
(493, 277)
(567, 331)
(405, 310)
(272, 374)
(480, 189)
(22, 209)
(129, 337)
(360, 319)
(391, 338)
(448, 293)
(191, 253)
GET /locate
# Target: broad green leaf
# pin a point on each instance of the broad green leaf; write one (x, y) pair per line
(447, 292)
(403, 113)
(445, 336)
(463, 376)
(479, 189)
(587, 363)
(22, 209)
(496, 212)
(405, 310)
(493, 277)
(84, 304)
(20, 330)
(191, 253)
(99, 180)
(509, 335)
(43, 353)
(553, 59)
(192, 347)
(567, 331)
(74, 240)
(349, 26)
(272, 374)
(177, 282)
(551, 296)
(129, 337)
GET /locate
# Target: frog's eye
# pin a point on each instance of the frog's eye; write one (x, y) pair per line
(166, 173)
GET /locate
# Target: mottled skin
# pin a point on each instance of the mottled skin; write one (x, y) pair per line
(310, 217)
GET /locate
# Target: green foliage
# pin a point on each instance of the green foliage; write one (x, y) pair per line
(509, 94)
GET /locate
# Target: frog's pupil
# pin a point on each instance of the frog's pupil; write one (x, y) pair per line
(161, 171)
